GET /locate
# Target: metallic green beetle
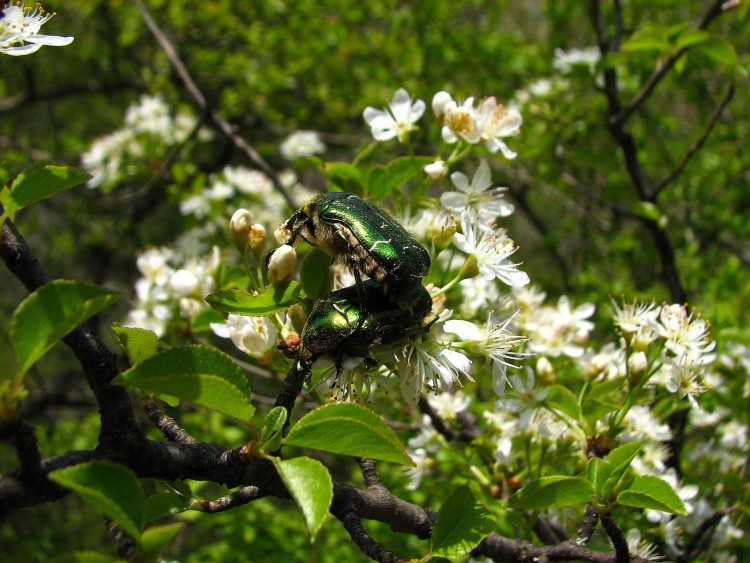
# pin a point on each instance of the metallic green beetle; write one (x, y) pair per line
(368, 239)
(340, 324)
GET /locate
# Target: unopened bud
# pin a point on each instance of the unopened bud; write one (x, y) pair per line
(282, 264)
(282, 234)
(436, 170)
(240, 225)
(257, 238)
(545, 371)
(440, 103)
(637, 367)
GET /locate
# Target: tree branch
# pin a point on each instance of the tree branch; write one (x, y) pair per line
(715, 115)
(200, 100)
(662, 68)
(244, 496)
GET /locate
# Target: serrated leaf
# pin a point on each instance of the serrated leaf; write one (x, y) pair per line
(50, 313)
(555, 491)
(315, 275)
(194, 373)
(311, 487)
(461, 524)
(37, 182)
(270, 434)
(348, 429)
(563, 400)
(274, 298)
(384, 179)
(162, 505)
(615, 465)
(109, 487)
(647, 491)
(156, 538)
(138, 343)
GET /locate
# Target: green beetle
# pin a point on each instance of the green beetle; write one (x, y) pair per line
(368, 239)
(340, 324)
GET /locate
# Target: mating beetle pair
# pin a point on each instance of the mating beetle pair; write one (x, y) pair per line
(339, 324)
(390, 305)
(368, 240)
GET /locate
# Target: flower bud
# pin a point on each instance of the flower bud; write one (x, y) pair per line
(637, 367)
(257, 238)
(282, 234)
(282, 264)
(436, 170)
(240, 225)
(297, 315)
(440, 102)
(545, 371)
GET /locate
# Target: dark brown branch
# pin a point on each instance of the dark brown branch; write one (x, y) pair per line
(369, 471)
(241, 497)
(622, 553)
(166, 424)
(99, 364)
(290, 390)
(200, 100)
(590, 519)
(715, 115)
(124, 543)
(21, 436)
(662, 68)
(701, 535)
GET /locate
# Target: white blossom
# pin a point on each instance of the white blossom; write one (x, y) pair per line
(475, 198)
(301, 144)
(19, 30)
(397, 120)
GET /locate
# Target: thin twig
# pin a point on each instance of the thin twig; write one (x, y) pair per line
(715, 116)
(200, 100)
(369, 471)
(241, 497)
(662, 68)
(21, 436)
(622, 553)
(166, 424)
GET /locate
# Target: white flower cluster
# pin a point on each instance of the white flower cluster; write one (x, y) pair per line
(150, 128)
(171, 285)
(19, 30)
(560, 330)
(564, 61)
(301, 144)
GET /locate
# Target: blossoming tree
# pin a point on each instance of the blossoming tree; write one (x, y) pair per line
(499, 423)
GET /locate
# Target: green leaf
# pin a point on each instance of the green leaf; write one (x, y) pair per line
(555, 491)
(343, 175)
(647, 491)
(348, 429)
(310, 485)
(614, 467)
(86, 557)
(138, 343)
(592, 472)
(383, 180)
(315, 275)
(270, 434)
(647, 210)
(109, 487)
(691, 37)
(202, 321)
(365, 159)
(162, 505)
(649, 38)
(461, 524)
(37, 182)
(274, 298)
(194, 373)
(156, 538)
(50, 313)
(719, 50)
(562, 399)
